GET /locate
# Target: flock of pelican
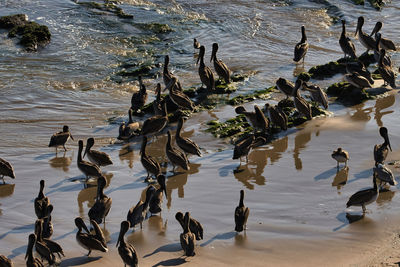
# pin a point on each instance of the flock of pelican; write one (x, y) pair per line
(94, 239)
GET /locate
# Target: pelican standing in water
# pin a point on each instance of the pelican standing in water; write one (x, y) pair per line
(60, 138)
(41, 247)
(243, 147)
(364, 197)
(53, 246)
(139, 98)
(155, 124)
(285, 86)
(6, 262)
(205, 73)
(196, 44)
(137, 213)
(195, 227)
(357, 80)
(175, 156)
(346, 44)
(381, 151)
(301, 48)
(302, 106)
(126, 251)
(167, 75)
(257, 118)
(88, 240)
(385, 43)
(386, 71)
(276, 117)
(158, 102)
(178, 97)
(32, 261)
(220, 67)
(241, 214)
(317, 94)
(41, 202)
(187, 145)
(88, 168)
(366, 40)
(188, 239)
(102, 206)
(384, 174)
(150, 164)
(6, 169)
(97, 157)
(156, 198)
(340, 155)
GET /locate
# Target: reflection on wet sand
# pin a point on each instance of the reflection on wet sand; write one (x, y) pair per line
(156, 223)
(61, 162)
(385, 196)
(300, 141)
(240, 240)
(6, 190)
(360, 114)
(341, 178)
(246, 176)
(126, 153)
(278, 147)
(382, 103)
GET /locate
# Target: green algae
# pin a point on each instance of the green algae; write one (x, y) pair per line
(233, 128)
(158, 28)
(348, 94)
(259, 94)
(377, 4)
(109, 6)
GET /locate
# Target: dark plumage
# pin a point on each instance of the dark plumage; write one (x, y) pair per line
(241, 214)
(97, 157)
(167, 75)
(364, 197)
(41, 202)
(384, 43)
(158, 102)
(88, 168)
(156, 198)
(102, 205)
(381, 151)
(6, 169)
(386, 71)
(88, 240)
(256, 119)
(155, 124)
(137, 213)
(366, 40)
(358, 67)
(5, 262)
(195, 227)
(60, 138)
(346, 44)
(188, 239)
(47, 224)
(340, 155)
(357, 80)
(150, 164)
(187, 145)
(220, 67)
(175, 156)
(32, 261)
(126, 251)
(317, 94)
(41, 247)
(178, 97)
(243, 147)
(139, 98)
(205, 73)
(276, 117)
(285, 86)
(53, 246)
(301, 48)
(196, 44)
(302, 106)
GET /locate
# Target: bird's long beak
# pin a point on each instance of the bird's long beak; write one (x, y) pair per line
(212, 55)
(70, 135)
(198, 59)
(170, 84)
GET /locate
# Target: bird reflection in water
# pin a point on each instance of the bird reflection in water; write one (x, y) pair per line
(360, 114)
(156, 223)
(241, 240)
(246, 175)
(341, 178)
(385, 196)
(126, 153)
(383, 103)
(300, 142)
(61, 162)
(6, 190)
(279, 146)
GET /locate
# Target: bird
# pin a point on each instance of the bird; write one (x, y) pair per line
(220, 67)
(32, 261)
(243, 147)
(6, 262)
(256, 119)
(60, 138)
(377, 52)
(178, 97)
(302, 106)
(285, 86)
(357, 80)
(175, 156)
(366, 40)
(53, 246)
(150, 164)
(41, 202)
(99, 211)
(89, 169)
(386, 71)
(156, 198)
(346, 44)
(6, 169)
(358, 66)
(364, 197)
(317, 94)
(196, 44)
(301, 48)
(97, 157)
(241, 214)
(340, 155)
(88, 240)
(137, 213)
(167, 75)
(276, 117)
(381, 151)
(139, 98)
(385, 43)
(127, 130)
(126, 251)
(195, 227)
(47, 224)
(384, 174)
(188, 239)
(41, 247)
(155, 124)
(187, 145)
(158, 102)
(205, 73)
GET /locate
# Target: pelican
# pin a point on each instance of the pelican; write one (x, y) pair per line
(102, 205)
(256, 119)
(47, 224)
(6, 262)
(188, 239)
(88, 168)
(187, 145)
(6, 169)
(41, 202)
(178, 97)
(359, 67)
(97, 157)
(381, 151)
(384, 174)
(150, 164)
(386, 71)
(126, 131)
(195, 227)
(156, 198)
(377, 52)
(220, 67)
(167, 75)
(126, 251)
(243, 147)
(139, 98)
(41, 247)
(90, 241)
(137, 213)
(300, 50)
(317, 94)
(157, 103)
(196, 44)
(285, 87)
(30, 260)
(205, 73)
(155, 124)
(366, 40)
(385, 43)
(340, 155)
(276, 117)
(60, 138)
(346, 44)
(53, 246)
(357, 80)
(302, 106)
(175, 156)
(364, 197)
(241, 214)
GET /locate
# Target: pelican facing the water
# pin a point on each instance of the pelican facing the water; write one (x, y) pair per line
(366, 40)
(97, 157)
(301, 48)
(381, 151)
(88, 240)
(150, 164)
(60, 138)
(175, 156)
(187, 145)
(346, 44)
(31, 261)
(364, 197)
(139, 98)
(102, 206)
(155, 124)
(384, 43)
(220, 67)
(357, 80)
(137, 213)
(6, 169)
(205, 73)
(302, 106)
(285, 86)
(384, 175)
(126, 251)
(386, 71)
(89, 169)
(340, 155)
(241, 214)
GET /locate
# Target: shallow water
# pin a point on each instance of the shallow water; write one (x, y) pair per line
(292, 187)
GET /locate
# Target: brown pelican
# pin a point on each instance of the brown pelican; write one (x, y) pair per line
(364, 197)
(300, 50)
(276, 117)
(384, 174)
(178, 97)
(283, 114)
(241, 214)
(88, 240)
(377, 52)
(357, 80)
(188, 239)
(139, 98)
(302, 106)
(150, 164)
(60, 138)
(102, 205)
(6, 169)
(41, 202)
(88, 168)
(97, 157)
(167, 75)
(256, 119)
(30, 260)
(41, 247)
(53, 246)
(155, 124)
(126, 131)
(220, 67)
(126, 251)
(205, 73)
(381, 151)
(385, 43)
(359, 67)
(386, 71)
(285, 87)
(187, 145)
(6, 262)
(196, 44)
(346, 44)
(157, 103)
(366, 40)
(137, 213)
(195, 227)
(47, 224)
(157, 197)
(243, 147)
(317, 94)
(175, 156)
(340, 155)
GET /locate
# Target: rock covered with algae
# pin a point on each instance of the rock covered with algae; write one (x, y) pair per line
(377, 4)
(348, 94)
(108, 6)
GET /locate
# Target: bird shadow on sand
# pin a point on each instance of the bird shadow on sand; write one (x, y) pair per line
(347, 218)
(171, 262)
(44, 156)
(19, 229)
(365, 174)
(17, 251)
(326, 174)
(174, 247)
(78, 261)
(224, 236)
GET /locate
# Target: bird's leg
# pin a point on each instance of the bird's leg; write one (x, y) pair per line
(141, 226)
(247, 159)
(90, 251)
(64, 148)
(363, 208)
(2, 177)
(337, 165)
(345, 164)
